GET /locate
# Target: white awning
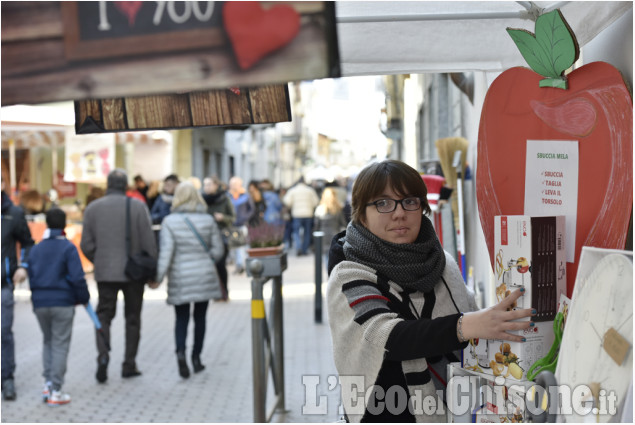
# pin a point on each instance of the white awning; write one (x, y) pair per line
(382, 37)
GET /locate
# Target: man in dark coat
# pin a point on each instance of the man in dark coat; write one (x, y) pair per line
(104, 243)
(14, 229)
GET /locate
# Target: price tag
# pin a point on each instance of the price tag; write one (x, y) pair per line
(616, 346)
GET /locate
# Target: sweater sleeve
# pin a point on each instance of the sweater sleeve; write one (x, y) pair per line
(230, 213)
(76, 275)
(87, 243)
(22, 233)
(144, 227)
(216, 242)
(412, 339)
(166, 251)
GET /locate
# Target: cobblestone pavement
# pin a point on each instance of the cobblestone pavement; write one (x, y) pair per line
(223, 392)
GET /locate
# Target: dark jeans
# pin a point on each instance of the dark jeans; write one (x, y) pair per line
(106, 309)
(8, 347)
(288, 233)
(182, 320)
(306, 224)
(221, 268)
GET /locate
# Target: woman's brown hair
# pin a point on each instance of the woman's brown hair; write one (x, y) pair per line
(374, 178)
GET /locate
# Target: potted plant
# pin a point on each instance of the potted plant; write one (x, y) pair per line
(265, 239)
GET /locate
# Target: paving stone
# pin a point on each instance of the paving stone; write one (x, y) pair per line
(223, 392)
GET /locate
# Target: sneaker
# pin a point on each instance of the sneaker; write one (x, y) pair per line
(46, 392)
(58, 398)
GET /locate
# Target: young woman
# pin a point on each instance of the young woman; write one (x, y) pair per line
(397, 302)
(257, 200)
(190, 245)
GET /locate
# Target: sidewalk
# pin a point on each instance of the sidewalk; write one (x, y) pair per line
(223, 392)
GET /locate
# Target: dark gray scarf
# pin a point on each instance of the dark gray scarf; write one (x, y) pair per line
(417, 265)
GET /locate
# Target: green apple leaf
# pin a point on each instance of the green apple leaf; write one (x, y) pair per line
(532, 51)
(555, 37)
(551, 51)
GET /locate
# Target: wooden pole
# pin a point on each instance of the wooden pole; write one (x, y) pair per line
(12, 178)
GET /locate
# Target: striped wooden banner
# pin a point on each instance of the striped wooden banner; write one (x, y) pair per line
(244, 106)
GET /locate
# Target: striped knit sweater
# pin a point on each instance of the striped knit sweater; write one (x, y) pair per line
(382, 336)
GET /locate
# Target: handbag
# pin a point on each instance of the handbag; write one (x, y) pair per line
(234, 237)
(141, 267)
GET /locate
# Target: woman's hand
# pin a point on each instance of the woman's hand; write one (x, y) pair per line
(495, 322)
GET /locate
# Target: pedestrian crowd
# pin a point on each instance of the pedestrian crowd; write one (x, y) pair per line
(183, 231)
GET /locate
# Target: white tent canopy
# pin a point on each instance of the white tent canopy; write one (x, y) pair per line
(382, 37)
(386, 37)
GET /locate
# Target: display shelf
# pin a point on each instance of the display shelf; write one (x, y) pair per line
(464, 396)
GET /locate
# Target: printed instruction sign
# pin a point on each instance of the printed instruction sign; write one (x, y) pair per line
(551, 183)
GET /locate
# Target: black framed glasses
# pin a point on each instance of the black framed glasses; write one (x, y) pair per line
(389, 205)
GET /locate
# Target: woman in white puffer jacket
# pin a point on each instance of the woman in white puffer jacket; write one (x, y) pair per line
(190, 242)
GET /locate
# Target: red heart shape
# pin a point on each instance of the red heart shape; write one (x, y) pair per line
(597, 110)
(255, 32)
(130, 9)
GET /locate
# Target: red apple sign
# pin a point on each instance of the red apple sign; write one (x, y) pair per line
(596, 110)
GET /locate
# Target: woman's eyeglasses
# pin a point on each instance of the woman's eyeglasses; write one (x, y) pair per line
(389, 205)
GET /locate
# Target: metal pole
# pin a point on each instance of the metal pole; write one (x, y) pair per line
(54, 163)
(258, 321)
(278, 339)
(317, 239)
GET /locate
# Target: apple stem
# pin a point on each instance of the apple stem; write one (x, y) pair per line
(559, 83)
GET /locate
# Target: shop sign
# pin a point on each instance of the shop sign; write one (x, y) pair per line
(88, 158)
(65, 189)
(56, 51)
(102, 29)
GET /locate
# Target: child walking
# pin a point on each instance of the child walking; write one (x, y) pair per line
(57, 284)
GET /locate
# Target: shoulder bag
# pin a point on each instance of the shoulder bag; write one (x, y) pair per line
(141, 267)
(198, 236)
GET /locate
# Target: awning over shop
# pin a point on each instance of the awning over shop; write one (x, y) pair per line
(33, 135)
(377, 37)
(27, 136)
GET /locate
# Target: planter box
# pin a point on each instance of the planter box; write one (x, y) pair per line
(264, 252)
(274, 265)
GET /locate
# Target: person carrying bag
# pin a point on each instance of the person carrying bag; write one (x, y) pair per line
(140, 267)
(105, 240)
(189, 265)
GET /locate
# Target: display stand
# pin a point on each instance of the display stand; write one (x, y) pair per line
(590, 359)
(543, 134)
(468, 390)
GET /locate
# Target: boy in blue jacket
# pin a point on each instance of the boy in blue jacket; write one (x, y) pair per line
(57, 284)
